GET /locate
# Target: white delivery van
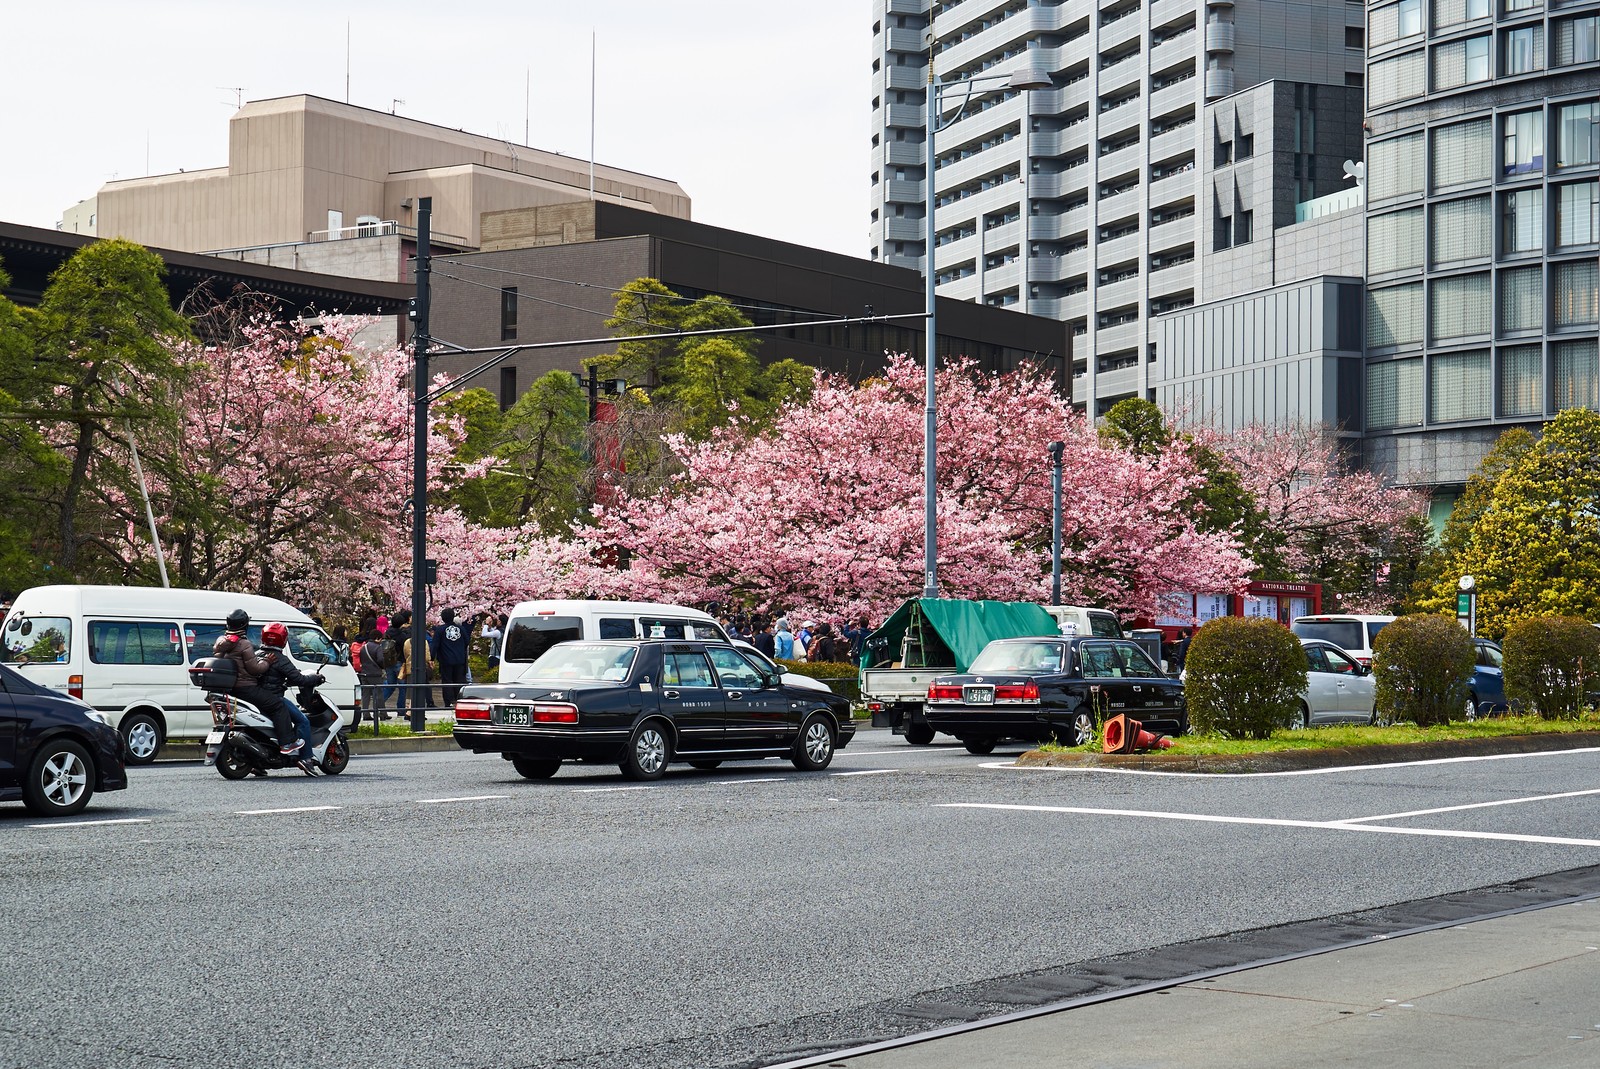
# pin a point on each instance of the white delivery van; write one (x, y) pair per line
(534, 626)
(127, 650)
(1085, 622)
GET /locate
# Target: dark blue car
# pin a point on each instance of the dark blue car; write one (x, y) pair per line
(1488, 684)
(55, 751)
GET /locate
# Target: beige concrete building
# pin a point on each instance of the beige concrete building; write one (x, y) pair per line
(302, 169)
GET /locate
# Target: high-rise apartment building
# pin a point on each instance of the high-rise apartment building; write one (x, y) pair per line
(1483, 225)
(1084, 201)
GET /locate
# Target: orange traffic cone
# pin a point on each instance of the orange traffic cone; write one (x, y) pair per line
(1123, 735)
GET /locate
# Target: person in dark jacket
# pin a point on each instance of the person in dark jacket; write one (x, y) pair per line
(764, 641)
(234, 645)
(281, 674)
(450, 650)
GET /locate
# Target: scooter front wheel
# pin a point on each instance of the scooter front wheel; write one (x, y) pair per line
(337, 758)
(230, 764)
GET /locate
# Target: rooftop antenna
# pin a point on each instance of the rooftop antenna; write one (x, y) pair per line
(238, 94)
(394, 102)
(347, 61)
(591, 113)
(527, 103)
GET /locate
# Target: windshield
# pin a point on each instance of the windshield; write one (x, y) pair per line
(527, 637)
(582, 660)
(37, 639)
(1346, 634)
(1019, 657)
(310, 644)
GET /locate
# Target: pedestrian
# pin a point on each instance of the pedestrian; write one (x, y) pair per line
(367, 655)
(341, 643)
(494, 632)
(450, 641)
(764, 642)
(1178, 652)
(822, 647)
(783, 642)
(858, 645)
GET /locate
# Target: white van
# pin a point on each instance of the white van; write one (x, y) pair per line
(534, 626)
(1351, 632)
(127, 650)
(1084, 621)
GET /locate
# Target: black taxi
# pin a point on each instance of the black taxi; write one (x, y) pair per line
(645, 704)
(1039, 689)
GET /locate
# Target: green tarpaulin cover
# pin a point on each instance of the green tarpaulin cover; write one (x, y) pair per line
(950, 631)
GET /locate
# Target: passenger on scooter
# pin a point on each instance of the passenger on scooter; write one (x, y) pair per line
(279, 676)
(241, 651)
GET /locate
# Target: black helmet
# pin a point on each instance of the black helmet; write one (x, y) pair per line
(238, 620)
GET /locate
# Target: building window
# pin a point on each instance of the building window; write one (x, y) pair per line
(1573, 290)
(1241, 228)
(1576, 41)
(1575, 374)
(1410, 17)
(1223, 233)
(1394, 167)
(1394, 241)
(1576, 125)
(1522, 221)
(1458, 306)
(1522, 49)
(1577, 214)
(1394, 393)
(1520, 378)
(1394, 316)
(1458, 63)
(1247, 146)
(1461, 153)
(1458, 386)
(1522, 5)
(1462, 230)
(1522, 143)
(1355, 37)
(508, 387)
(1400, 78)
(1455, 12)
(508, 314)
(1521, 300)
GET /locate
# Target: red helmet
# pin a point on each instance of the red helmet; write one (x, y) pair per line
(275, 634)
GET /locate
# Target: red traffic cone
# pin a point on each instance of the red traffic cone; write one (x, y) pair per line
(1123, 735)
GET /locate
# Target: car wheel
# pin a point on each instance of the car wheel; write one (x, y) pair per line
(919, 734)
(536, 767)
(813, 748)
(1304, 719)
(231, 764)
(1375, 720)
(142, 734)
(337, 759)
(61, 781)
(1081, 730)
(1472, 706)
(705, 766)
(648, 752)
(979, 746)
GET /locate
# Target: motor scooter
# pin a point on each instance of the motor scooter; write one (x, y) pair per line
(243, 740)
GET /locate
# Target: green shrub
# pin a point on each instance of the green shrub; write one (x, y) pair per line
(1550, 662)
(1243, 677)
(1422, 665)
(841, 676)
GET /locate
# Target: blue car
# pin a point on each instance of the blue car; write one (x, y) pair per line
(1488, 684)
(55, 751)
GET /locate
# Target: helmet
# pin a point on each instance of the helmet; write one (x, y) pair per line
(275, 634)
(238, 620)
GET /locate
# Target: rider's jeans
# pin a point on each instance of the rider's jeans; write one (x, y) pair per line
(302, 724)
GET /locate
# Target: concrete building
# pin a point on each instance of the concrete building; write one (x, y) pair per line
(1483, 224)
(1085, 202)
(303, 170)
(549, 274)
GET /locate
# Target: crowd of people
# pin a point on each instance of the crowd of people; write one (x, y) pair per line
(839, 641)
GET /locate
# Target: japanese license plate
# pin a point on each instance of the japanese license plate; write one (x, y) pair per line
(513, 716)
(215, 738)
(978, 695)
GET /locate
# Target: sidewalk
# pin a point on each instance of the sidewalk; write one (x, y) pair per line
(1519, 990)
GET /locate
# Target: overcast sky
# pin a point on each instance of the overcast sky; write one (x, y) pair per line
(758, 109)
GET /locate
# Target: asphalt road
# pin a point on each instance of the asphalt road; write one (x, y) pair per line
(443, 912)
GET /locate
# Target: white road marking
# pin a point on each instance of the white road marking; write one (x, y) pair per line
(1325, 825)
(866, 772)
(91, 823)
(603, 790)
(727, 782)
(468, 798)
(1084, 769)
(884, 753)
(1474, 805)
(297, 809)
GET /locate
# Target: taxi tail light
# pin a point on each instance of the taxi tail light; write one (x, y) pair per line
(1017, 692)
(944, 692)
(75, 686)
(472, 709)
(555, 714)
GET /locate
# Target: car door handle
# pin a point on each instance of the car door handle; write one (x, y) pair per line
(735, 694)
(670, 694)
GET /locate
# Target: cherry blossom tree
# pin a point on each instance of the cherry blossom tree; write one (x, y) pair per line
(823, 511)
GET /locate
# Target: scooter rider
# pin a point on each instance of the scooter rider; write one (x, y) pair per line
(279, 676)
(241, 651)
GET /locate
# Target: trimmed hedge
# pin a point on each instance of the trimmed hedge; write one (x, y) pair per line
(1243, 677)
(1422, 666)
(841, 676)
(1550, 664)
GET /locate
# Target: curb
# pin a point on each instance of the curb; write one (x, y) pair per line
(1295, 760)
(359, 747)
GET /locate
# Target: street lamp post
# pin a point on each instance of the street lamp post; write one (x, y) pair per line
(1020, 80)
(1056, 449)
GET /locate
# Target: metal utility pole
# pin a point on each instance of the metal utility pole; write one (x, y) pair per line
(1055, 522)
(419, 467)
